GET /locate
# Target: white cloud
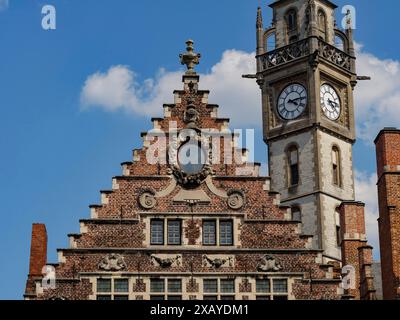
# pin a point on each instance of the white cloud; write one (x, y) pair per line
(367, 192)
(118, 89)
(377, 101)
(4, 4)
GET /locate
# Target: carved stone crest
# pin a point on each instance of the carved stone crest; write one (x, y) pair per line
(217, 262)
(165, 261)
(191, 116)
(147, 200)
(236, 199)
(268, 264)
(112, 262)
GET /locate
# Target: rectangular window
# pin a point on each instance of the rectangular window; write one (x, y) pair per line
(209, 233)
(226, 233)
(103, 298)
(174, 285)
(157, 298)
(210, 285)
(227, 297)
(280, 298)
(263, 298)
(174, 232)
(210, 298)
(103, 285)
(157, 232)
(280, 285)
(263, 286)
(227, 286)
(157, 285)
(121, 285)
(174, 298)
(124, 297)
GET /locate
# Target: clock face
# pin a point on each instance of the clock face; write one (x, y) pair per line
(292, 101)
(330, 102)
(191, 158)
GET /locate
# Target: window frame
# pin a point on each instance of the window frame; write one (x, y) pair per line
(231, 234)
(179, 222)
(162, 224)
(214, 222)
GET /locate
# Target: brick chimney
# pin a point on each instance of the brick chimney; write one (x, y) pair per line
(388, 168)
(38, 258)
(353, 237)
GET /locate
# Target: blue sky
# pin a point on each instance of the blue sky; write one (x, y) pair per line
(56, 154)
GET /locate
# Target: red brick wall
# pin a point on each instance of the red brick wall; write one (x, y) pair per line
(388, 168)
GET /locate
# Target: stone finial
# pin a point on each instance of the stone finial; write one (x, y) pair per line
(190, 58)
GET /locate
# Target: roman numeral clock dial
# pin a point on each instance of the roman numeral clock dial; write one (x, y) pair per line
(292, 102)
(330, 102)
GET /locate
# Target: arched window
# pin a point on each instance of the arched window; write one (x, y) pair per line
(270, 42)
(293, 165)
(336, 166)
(296, 214)
(322, 24)
(340, 43)
(291, 18)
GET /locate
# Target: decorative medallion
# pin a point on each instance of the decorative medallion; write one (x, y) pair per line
(236, 199)
(112, 262)
(218, 261)
(190, 158)
(165, 261)
(147, 200)
(269, 264)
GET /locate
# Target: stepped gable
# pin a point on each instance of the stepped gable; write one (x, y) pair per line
(115, 240)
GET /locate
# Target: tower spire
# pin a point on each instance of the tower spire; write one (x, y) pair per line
(259, 23)
(260, 32)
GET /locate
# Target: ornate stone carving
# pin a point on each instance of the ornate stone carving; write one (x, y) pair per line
(183, 178)
(112, 262)
(190, 58)
(218, 261)
(166, 261)
(268, 264)
(285, 54)
(191, 116)
(236, 199)
(334, 55)
(147, 200)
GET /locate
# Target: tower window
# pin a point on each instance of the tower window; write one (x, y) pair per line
(338, 236)
(291, 20)
(322, 24)
(293, 162)
(336, 166)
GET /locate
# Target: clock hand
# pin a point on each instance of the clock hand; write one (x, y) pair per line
(332, 103)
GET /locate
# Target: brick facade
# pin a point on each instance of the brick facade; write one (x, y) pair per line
(388, 168)
(118, 233)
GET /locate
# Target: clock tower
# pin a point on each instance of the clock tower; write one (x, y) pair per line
(306, 71)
